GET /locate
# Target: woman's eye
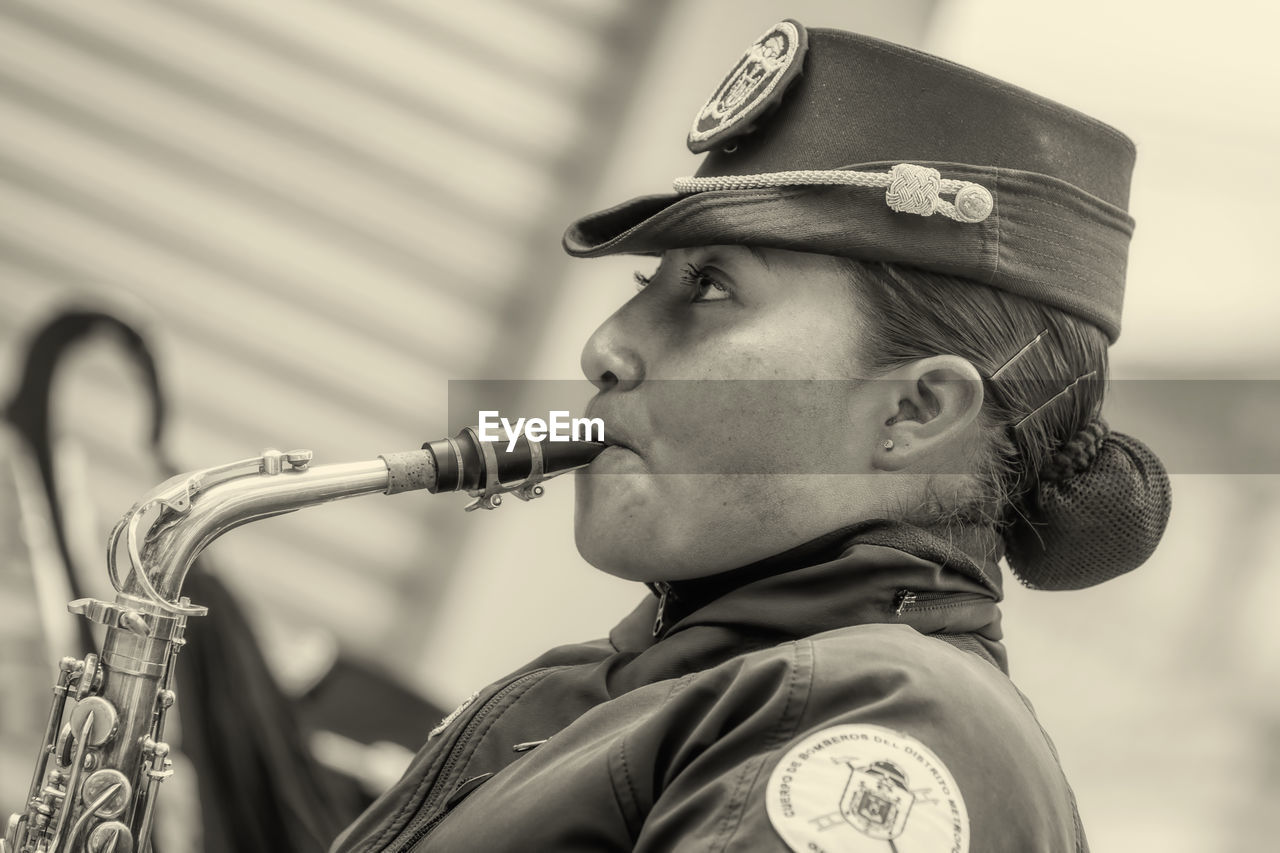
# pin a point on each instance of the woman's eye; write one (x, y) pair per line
(642, 280)
(706, 287)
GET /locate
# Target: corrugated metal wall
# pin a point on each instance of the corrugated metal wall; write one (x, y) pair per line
(330, 209)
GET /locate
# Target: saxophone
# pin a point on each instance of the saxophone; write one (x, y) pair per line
(104, 756)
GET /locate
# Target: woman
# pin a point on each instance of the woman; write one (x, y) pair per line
(889, 268)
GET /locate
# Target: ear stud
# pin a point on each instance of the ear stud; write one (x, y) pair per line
(887, 444)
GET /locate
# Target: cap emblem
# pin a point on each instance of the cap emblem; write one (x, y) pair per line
(752, 88)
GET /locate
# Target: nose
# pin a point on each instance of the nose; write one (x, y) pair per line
(609, 359)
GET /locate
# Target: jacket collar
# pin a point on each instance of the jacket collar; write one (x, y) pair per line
(871, 572)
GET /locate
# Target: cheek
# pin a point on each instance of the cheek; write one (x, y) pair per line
(773, 396)
(750, 426)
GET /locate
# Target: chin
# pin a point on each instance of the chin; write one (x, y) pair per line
(612, 543)
(616, 529)
(617, 560)
(647, 547)
(614, 553)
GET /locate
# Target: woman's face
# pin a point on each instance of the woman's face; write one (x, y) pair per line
(727, 385)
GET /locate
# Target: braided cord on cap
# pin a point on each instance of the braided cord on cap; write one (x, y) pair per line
(909, 188)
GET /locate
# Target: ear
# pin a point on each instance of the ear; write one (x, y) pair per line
(933, 406)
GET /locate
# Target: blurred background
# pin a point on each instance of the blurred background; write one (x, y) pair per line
(317, 214)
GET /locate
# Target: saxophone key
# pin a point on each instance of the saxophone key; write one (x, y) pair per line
(64, 749)
(110, 837)
(90, 677)
(105, 720)
(112, 788)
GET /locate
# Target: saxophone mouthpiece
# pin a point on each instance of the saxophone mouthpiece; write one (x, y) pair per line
(486, 469)
(567, 455)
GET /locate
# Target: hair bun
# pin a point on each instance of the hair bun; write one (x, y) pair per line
(1098, 511)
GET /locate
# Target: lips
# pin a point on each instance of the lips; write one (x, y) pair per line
(610, 441)
(615, 435)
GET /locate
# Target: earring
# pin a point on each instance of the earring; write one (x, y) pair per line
(887, 444)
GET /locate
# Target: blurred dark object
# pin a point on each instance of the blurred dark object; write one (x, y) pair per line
(261, 788)
(367, 707)
(29, 410)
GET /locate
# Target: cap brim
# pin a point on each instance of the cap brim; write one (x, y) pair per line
(605, 232)
(825, 220)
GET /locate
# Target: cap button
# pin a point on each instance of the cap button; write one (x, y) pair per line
(974, 203)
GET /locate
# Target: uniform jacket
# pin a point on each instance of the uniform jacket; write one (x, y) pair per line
(847, 695)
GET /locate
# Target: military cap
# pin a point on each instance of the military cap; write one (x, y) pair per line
(837, 143)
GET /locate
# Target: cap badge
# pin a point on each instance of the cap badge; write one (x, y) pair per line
(752, 88)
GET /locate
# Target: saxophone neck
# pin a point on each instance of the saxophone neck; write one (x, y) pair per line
(169, 527)
(166, 530)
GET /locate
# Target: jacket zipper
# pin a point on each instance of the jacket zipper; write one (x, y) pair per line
(906, 600)
(664, 595)
(433, 794)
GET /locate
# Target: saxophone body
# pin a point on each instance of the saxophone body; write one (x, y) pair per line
(104, 756)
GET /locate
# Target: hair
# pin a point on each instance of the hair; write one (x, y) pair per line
(1040, 414)
(1074, 503)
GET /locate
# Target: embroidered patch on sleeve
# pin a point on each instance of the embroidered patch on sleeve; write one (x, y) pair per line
(752, 88)
(856, 787)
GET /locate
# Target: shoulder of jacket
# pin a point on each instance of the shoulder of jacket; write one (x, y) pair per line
(896, 640)
(893, 662)
(857, 650)
(915, 664)
(897, 645)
